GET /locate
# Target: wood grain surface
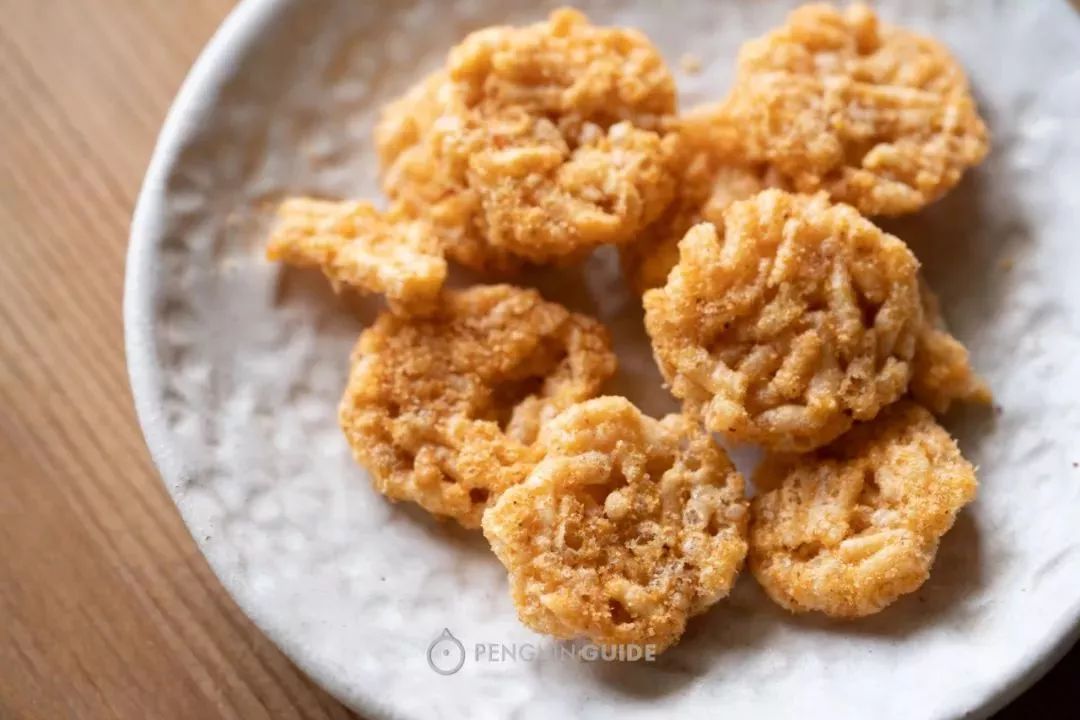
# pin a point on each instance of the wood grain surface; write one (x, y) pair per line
(107, 609)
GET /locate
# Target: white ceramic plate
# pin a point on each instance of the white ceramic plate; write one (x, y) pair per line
(237, 366)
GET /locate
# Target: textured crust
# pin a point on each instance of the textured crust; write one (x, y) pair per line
(356, 246)
(431, 181)
(712, 173)
(850, 528)
(942, 372)
(878, 116)
(789, 321)
(445, 410)
(534, 144)
(625, 529)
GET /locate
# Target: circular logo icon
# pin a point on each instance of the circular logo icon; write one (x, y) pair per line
(446, 654)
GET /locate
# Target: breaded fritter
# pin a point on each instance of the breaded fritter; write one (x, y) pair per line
(850, 528)
(534, 144)
(625, 529)
(789, 321)
(942, 372)
(357, 246)
(878, 116)
(712, 174)
(444, 410)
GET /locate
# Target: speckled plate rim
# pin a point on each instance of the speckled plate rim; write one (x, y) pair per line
(196, 99)
(198, 94)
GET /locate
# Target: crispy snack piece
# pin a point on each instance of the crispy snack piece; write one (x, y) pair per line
(359, 247)
(850, 528)
(942, 372)
(712, 173)
(878, 116)
(789, 321)
(431, 181)
(444, 410)
(626, 528)
(534, 144)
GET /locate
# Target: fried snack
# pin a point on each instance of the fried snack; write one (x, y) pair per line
(712, 174)
(534, 144)
(942, 372)
(431, 181)
(444, 410)
(358, 247)
(852, 527)
(877, 116)
(787, 322)
(626, 528)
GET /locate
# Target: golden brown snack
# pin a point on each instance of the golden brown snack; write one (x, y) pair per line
(789, 321)
(850, 528)
(712, 173)
(878, 116)
(359, 247)
(430, 181)
(626, 528)
(567, 69)
(942, 372)
(444, 410)
(534, 144)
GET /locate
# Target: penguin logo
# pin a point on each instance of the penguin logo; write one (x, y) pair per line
(446, 654)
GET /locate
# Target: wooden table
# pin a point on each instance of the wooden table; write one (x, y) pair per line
(107, 609)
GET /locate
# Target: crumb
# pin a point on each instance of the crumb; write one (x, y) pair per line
(690, 63)
(1008, 264)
